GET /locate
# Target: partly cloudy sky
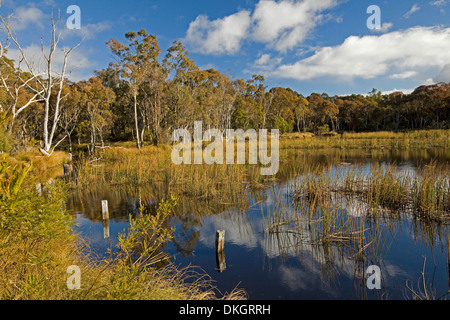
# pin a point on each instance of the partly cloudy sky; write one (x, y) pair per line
(307, 45)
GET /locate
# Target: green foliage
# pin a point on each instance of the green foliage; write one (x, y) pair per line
(280, 123)
(11, 179)
(323, 129)
(137, 97)
(37, 245)
(148, 234)
(6, 141)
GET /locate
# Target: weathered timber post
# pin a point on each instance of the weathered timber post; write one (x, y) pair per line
(105, 216)
(220, 253)
(220, 240)
(105, 210)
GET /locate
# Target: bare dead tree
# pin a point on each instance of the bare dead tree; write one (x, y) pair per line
(14, 82)
(49, 83)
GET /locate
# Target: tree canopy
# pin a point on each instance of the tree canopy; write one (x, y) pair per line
(144, 96)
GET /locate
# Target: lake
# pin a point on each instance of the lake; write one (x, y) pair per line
(274, 243)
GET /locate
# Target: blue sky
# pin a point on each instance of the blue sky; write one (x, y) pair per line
(307, 45)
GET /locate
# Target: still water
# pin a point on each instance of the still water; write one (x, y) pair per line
(284, 264)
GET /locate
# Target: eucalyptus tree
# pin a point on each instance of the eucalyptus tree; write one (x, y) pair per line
(96, 99)
(179, 96)
(138, 64)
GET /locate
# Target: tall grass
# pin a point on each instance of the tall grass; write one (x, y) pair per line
(37, 245)
(386, 187)
(373, 140)
(431, 191)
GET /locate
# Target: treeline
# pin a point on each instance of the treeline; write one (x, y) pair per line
(145, 95)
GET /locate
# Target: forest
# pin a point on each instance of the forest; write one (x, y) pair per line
(146, 94)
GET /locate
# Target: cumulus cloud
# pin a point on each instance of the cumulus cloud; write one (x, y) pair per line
(285, 24)
(282, 25)
(266, 59)
(371, 56)
(24, 17)
(221, 36)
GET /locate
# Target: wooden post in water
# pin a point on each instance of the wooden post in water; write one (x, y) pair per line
(220, 253)
(220, 240)
(105, 210)
(105, 216)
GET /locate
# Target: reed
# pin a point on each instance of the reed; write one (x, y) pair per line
(431, 191)
(386, 188)
(373, 140)
(37, 245)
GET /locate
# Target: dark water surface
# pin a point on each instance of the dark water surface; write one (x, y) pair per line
(286, 265)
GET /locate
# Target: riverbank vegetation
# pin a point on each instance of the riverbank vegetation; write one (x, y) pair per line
(37, 245)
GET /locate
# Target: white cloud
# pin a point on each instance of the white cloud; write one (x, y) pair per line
(24, 17)
(265, 63)
(264, 59)
(283, 25)
(438, 3)
(221, 36)
(87, 31)
(385, 27)
(404, 91)
(404, 75)
(414, 9)
(371, 56)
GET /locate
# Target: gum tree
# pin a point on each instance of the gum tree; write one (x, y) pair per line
(137, 61)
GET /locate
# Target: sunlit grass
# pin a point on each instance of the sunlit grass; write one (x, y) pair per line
(37, 245)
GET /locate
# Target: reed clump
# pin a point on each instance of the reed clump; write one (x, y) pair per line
(425, 192)
(431, 191)
(385, 187)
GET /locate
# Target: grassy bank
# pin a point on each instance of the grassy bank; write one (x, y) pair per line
(122, 164)
(370, 140)
(37, 245)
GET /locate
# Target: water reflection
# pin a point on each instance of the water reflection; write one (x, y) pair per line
(277, 248)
